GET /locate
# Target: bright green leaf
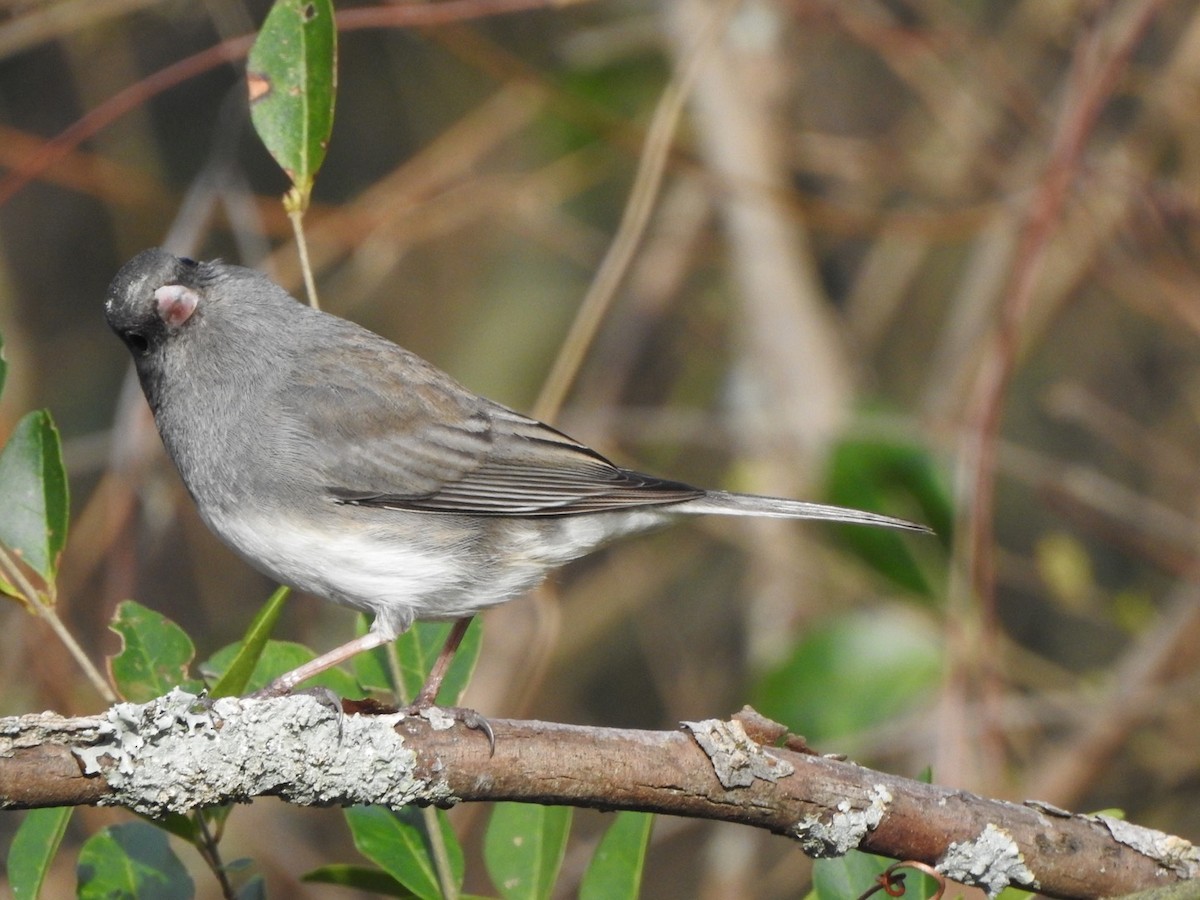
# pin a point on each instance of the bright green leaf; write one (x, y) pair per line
(131, 860)
(524, 847)
(33, 848)
(396, 842)
(616, 868)
(278, 657)
(851, 673)
(33, 493)
(155, 654)
(292, 77)
(241, 668)
(362, 878)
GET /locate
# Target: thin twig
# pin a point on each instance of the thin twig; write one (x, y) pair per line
(408, 15)
(634, 219)
(41, 606)
(296, 217)
(1090, 83)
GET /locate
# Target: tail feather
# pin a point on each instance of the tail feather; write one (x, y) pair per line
(727, 504)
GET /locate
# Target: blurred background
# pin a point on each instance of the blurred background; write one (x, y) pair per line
(935, 258)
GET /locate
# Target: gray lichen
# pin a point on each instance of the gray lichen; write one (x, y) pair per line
(991, 861)
(1169, 851)
(293, 747)
(823, 838)
(736, 758)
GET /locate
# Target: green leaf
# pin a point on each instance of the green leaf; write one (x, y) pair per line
(241, 668)
(33, 847)
(362, 878)
(885, 476)
(131, 860)
(278, 657)
(155, 654)
(292, 77)
(524, 847)
(33, 494)
(417, 649)
(616, 868)
(396, 842)
(852, 672)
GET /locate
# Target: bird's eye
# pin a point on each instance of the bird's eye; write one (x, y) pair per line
(190, 263)
(137, 342)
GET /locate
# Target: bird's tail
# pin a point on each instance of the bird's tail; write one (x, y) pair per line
(727, 504)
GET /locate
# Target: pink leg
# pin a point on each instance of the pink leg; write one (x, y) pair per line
(286, 682)
(429, 691)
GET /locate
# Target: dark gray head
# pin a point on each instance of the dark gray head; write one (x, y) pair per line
(157, 296)
(181, 318)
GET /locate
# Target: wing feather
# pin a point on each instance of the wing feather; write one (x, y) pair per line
(411, 438)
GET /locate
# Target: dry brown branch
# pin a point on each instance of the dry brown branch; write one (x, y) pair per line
(175, 754)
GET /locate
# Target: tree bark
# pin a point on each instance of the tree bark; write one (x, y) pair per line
(179, 752)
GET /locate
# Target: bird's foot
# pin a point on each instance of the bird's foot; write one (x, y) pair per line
(441, 717)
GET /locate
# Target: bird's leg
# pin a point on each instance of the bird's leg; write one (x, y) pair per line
(285, 683)
(437, 674)
(433, 683)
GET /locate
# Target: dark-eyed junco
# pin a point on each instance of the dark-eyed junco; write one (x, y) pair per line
(341, 464)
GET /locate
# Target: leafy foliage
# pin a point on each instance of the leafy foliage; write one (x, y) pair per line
(292, 76)
(131, 860)
(154, 657)
(33, 484)
(33, 848)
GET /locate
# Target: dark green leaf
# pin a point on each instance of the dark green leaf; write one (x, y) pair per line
(851, 673)
(898, 479)
(175, 823)
(33, 848)
(33, 494)
(363, 878)
(241, 668)
(397, 843)
(278, 657)
(131, 860)
(292, 77)
(155, 654)
(616, 868)
(524, 847)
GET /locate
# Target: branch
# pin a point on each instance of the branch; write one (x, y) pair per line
(179, 752)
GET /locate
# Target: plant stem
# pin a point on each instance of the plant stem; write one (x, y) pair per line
(441, 857)
(43, 605)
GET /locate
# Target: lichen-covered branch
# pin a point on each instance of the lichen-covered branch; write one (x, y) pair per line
(179, 752)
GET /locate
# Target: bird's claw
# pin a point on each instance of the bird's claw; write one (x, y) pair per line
(468, 717)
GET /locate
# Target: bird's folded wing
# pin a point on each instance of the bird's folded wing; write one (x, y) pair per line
(416, 440)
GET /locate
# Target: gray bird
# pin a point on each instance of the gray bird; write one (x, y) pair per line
(340, 464)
